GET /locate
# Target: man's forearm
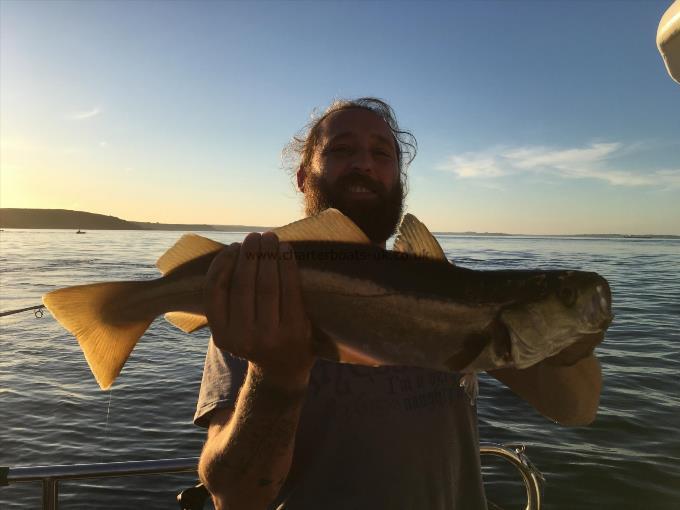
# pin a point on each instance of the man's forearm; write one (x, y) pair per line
(245, 463)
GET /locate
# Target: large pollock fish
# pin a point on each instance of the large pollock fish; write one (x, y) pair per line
(406, 306)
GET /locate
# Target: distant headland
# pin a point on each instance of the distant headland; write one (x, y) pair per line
(80, 220)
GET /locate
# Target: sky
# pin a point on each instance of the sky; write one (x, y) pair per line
(531, 117)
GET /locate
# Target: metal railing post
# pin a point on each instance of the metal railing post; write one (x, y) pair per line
(50, 494)
(50, 476)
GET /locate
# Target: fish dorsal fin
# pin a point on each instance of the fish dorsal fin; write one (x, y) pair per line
(189, 247)
(413, 237)
(329, 225)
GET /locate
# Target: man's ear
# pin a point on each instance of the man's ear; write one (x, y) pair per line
(301, 175)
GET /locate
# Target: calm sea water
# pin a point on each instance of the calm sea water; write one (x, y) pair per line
(52, 411)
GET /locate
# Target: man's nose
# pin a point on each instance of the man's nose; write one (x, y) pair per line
(362, 160)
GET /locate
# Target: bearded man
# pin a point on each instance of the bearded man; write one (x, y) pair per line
(287, 430)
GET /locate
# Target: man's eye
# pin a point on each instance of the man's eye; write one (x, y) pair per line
(382, 153)
(339, 149)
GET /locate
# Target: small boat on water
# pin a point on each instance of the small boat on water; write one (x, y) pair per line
(81, 232)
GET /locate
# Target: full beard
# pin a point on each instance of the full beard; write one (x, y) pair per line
(377, 217)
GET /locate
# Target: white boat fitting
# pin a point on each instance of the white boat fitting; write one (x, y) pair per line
(668, 39)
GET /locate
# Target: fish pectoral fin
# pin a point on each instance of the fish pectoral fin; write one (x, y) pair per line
(106, 337)
(413, 237)
(482, 350)
(187, 322)
(472, 346)
(329, 225)
(189, 247)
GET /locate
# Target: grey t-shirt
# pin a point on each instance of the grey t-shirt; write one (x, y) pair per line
(383, 437)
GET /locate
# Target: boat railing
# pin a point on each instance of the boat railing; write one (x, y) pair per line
(50, 476)
(516, 454)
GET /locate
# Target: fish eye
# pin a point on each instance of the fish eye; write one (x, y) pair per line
(567, 295)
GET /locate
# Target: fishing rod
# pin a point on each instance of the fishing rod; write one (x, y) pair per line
(39, 311)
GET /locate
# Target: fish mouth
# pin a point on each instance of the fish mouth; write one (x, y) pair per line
(600, 309)
(605, 301)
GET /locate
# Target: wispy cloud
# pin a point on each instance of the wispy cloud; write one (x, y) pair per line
(591, 162)
(83, 115)
(473, 165)
(531, 158)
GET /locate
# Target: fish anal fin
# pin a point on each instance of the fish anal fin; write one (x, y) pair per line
(87, 312)
(413, 237)
(189, 247)
(347, 354)
(329, 225)
(187, 322)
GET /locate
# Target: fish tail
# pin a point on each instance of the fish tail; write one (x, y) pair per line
(107, 320)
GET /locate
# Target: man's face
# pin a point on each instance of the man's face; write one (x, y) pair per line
(355, 169)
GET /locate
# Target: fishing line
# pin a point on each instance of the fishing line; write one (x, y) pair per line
(39, 311)
(108, 410)
(106, 426)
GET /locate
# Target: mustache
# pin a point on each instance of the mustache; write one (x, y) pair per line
(378, 217)
(357, 179)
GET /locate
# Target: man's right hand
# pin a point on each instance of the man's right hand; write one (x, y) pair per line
(253, 301)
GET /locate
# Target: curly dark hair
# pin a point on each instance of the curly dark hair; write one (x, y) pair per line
(300, 149)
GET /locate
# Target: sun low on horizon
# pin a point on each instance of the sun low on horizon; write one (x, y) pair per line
(534, 118)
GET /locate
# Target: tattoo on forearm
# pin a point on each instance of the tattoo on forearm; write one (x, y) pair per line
(263, 433)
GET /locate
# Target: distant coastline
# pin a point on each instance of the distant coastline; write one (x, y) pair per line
(607, 236)
(80, 220)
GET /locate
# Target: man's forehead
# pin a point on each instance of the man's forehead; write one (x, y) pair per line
(355, 120)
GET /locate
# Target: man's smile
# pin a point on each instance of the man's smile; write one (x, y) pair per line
(359, 191)
(359, 187)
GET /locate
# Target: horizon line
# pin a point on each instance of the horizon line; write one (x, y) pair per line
(264, 227)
